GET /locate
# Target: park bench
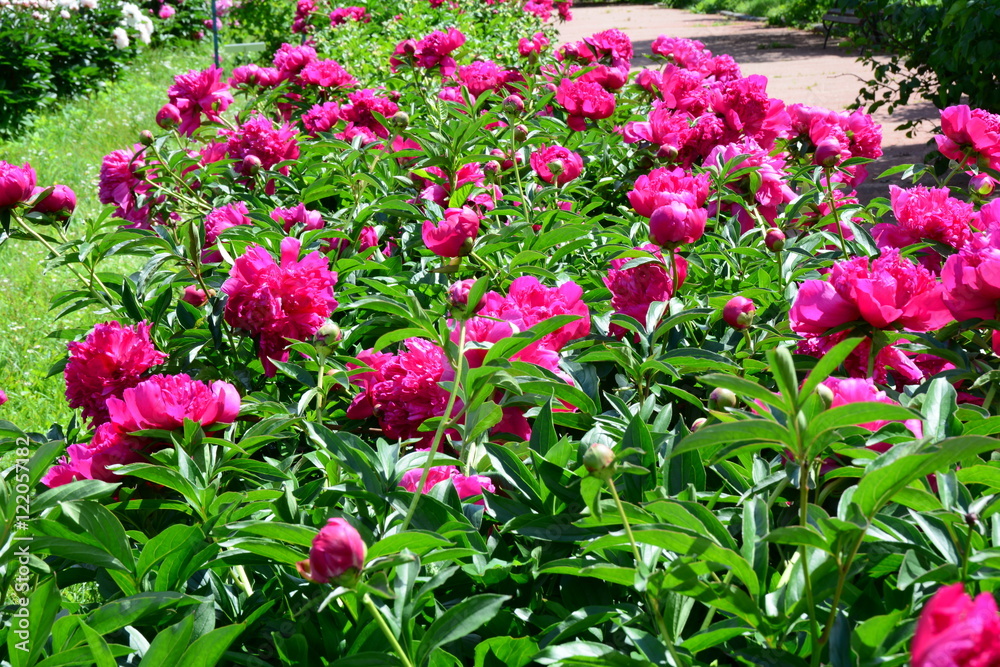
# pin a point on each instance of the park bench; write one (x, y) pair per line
(834, 16)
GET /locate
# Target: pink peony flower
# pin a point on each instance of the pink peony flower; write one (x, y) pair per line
(955, 630)
(888, 359)
(254, 76)
(610, 44)
(890, 293)
(738, 312)
(434, 50)
(971, 280)
(219, 220)
(863, 390)
(326, 74)
(529, 302)
(321, 117)
(925, 214)
(677, 223)
(165, 401)
(452, 236)
(60, 202)
(342, 15)
(634, 289)
(466, 487)
(555, 164)
(363, 104)
(338, 551)
(3, 397)
(259, 138)
(119, 183)
(196, 297)
(402, 390)
(290, 60)
(664, 185)
(582, 100)
(108, 447)
(111, 359)
(275, 302)
(297, 215)
(481, 76)
(535, 45)
(166, 11)
(970, 136)
(199, 93)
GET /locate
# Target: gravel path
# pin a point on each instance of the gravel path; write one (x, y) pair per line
(797, 67)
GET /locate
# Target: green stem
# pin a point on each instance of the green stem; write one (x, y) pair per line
(833, 212)
(844, 570)
(386, 630)
(442, 425)
(965, 556)
(804, 556)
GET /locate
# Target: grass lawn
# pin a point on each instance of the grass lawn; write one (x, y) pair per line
(66, 147)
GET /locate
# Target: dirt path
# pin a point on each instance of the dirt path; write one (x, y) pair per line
(797, 67)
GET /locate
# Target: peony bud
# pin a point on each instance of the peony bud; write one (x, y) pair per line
(721, 399)
(825, 394)
(3, 397)
(196, 297)
(698, 423)
(492, 167)
(520, 133)
(738, 312)
(168, 117)
(146, 138)
(251, 165)
(513, 104)
(982, 184)
(556, 167)
(16, 184)
(599, 460)
(828, 153)
(774, 239)
(329, 333)
(60, 202)
(337, 553)
(458, 294)
(399, 120)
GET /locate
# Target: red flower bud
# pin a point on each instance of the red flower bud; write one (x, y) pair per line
(338, 551)
(738, 313)
(774, 239)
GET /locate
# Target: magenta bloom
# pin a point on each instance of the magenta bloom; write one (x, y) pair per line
(863, 390)
(108, 447)
(582, 100)
(166, 11)
(342, 15)
(16, 184)
(3, 397)
(536, 44)
(466, 487)
(61, 201)
(970, 135)
(434, 50)
(663, 186)
(402, 390)
(196, 297)
(111, 359)
(555, 164)
(529, 302)
(481, 76)
(199, 93)
(677, 223)
(971, 280)
(891, 293)
(321, 117)
(326, 74)
(337, 551)
(956, 631)
(738, 312)
(259, 138)
(224, 217)
(165, 401)
(925, 214)
(634, 289)
(290, 60)
(275, 302)
(254, 76)
(363, 104)
(297, 215)
(452, 236)
(611, 44)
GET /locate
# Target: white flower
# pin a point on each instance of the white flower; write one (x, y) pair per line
(65, 14)
(145, 29)
(121, 38)
(89, 4)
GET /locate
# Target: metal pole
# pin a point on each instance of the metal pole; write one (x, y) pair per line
(215, 33)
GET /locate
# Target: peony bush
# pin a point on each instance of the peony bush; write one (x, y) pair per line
(449, 345)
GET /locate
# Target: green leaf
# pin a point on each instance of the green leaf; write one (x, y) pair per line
(462, 619)
(757, 430)
(939, 407)
(505, 652)
(798, 536)
(84, 489)
(580, 567)
(207, 650)
(855, 414)
(590, 489)
(286, 532)
(169, 644)
(99, 649)
(783, 370)
(418, 541)
(686, 545)
(27, 633)
(543, 433)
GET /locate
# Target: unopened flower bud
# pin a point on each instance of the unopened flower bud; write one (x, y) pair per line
(492, 167)
(599, 460)
(520, 133)
(828, 153)
(399, 120)
(251, 165)
(337, 554)
(168, 117)
(556, 167)
(329, 331)
(738, 312)
(394, 95)
(458, 293)
(467, 246)
(146, 138)
(513, 104)
(825, 395)
(196, 297)
(774, 239)
(698, 423)
(982, 184)
(721, 398)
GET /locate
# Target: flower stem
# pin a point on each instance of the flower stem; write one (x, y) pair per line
(386, 630)
(442, 425)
